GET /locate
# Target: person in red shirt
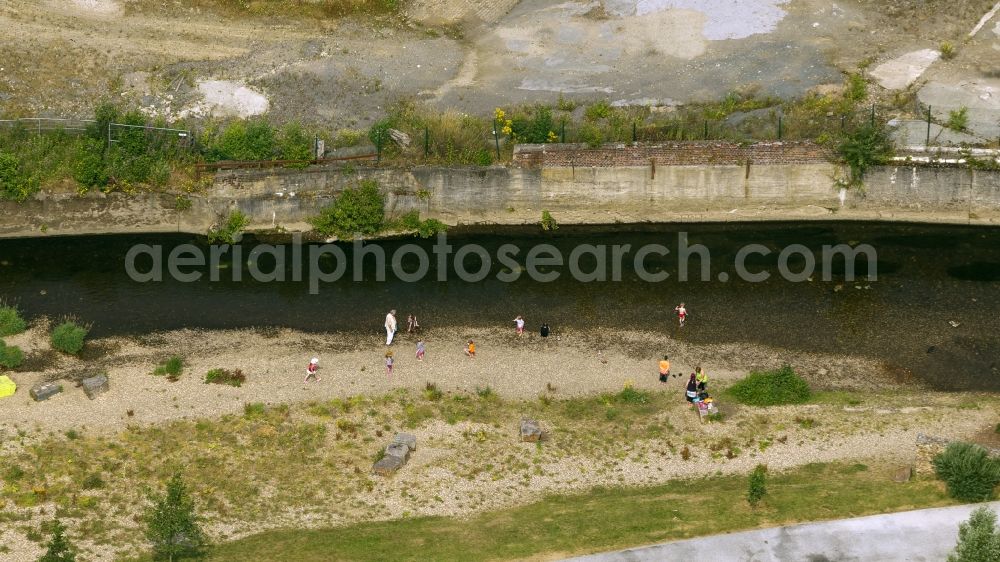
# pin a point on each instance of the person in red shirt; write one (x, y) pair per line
(311, 370)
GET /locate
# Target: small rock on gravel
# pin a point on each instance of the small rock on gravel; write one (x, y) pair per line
(95, 385)
(44, 391)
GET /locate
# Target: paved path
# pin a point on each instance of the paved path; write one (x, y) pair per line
(911, 536)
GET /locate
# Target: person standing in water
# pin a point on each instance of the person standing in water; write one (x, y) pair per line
(682, 314)
(519, 325)
(664, 369)
(390, 326)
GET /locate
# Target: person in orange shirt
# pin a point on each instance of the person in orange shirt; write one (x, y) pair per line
(664, 369)
(470, 349)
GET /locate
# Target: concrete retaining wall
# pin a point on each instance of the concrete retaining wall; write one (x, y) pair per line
(800, 188)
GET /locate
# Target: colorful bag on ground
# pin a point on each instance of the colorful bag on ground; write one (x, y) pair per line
(7, 387)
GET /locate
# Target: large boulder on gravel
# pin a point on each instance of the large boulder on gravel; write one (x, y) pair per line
(95, 385)
(44, 391)
(531, 431)
(400, 450)
(388, 465)
(406, 439)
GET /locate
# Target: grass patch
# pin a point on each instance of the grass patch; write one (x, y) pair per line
(771, 388)
(602, 519)
(225, 376)
(171, 368)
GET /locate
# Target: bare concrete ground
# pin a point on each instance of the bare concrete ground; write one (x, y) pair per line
(57, 58)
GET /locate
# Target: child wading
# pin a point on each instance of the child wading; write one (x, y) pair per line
(470, 349)
(682, 314)
(388, 363)
(664, 369)
(519, 325)
(312, 369)
(411, 324)
(420, 350)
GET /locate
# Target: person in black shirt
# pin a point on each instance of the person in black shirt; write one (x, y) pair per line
(544, 330)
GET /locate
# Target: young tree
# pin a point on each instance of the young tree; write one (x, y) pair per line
(172, 525)
(59, 548)
(757, 485)
(978, 538)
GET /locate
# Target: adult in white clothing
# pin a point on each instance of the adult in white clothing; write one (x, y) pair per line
(390, 327)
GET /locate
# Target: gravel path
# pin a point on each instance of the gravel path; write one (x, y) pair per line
(274, 362)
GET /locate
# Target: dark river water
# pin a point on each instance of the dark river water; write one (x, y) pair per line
(928, 277)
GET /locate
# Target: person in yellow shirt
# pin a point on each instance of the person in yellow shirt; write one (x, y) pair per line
(702, 377)
(470, 349)
(664, 369)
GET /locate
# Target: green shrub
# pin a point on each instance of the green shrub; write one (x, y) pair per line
(485, 392)
(11, 356)
(90, 169)
(359, 210)
(68, 337)
(548, 221)
(59, 548)
(535, 126)
(244, 140)
(947, 50)
(864, 148)
(15, 183)
(171, 368)
(591, 135)
(599, 110)
(771, 388)
(229, 232)
(172, 526)
(856, 88)
(11, 322)
(757, 485)
(295, 144)
(978, 538)
(958, 119)
(223, 376)
(968, 471)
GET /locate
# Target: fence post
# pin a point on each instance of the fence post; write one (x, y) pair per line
(779, 127)
(109, 135)
(706, 129)
(843, 123)
(873, 115)
(496, 137)
(927, 142)
(562, 132)
(427, 141)
(633, 131)
(378, 145)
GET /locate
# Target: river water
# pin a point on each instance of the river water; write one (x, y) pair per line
(928, 278)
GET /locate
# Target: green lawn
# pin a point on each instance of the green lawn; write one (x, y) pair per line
(602, 519)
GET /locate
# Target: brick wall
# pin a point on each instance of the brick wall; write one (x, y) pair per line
(669, 154)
